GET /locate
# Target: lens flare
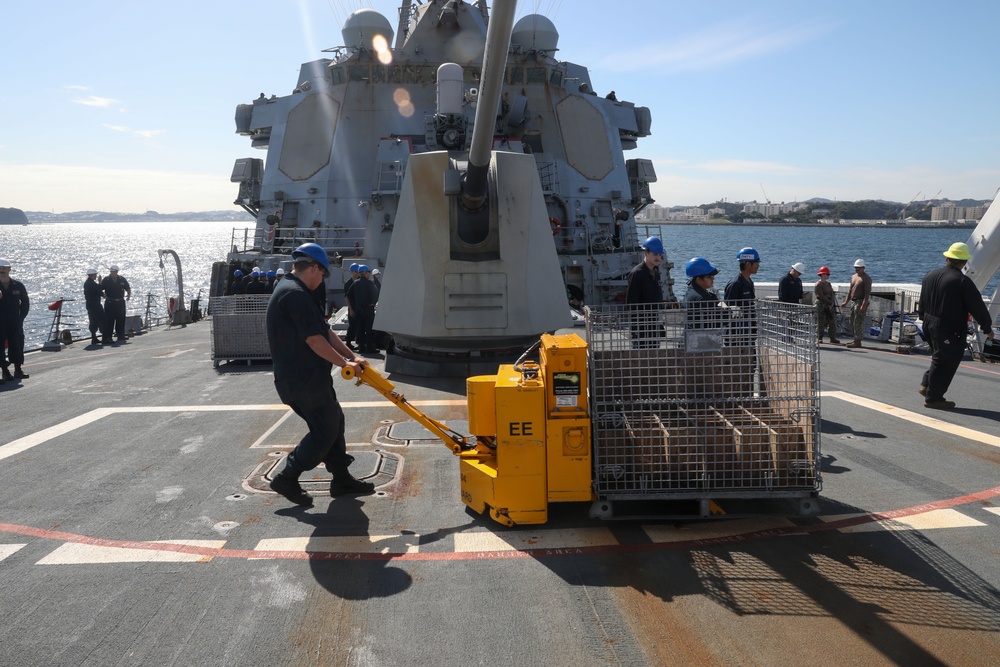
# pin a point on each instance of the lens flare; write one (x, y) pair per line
(403, 104)
(382, 50)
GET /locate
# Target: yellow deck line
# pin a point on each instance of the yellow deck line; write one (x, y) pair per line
(915, 417)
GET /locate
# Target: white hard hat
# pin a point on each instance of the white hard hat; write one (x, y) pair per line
(91, 272)
(280, 272)
(256, 271)
(799, 266)
(113, 267)
(859, 262)
(376, 272)
(4, 262)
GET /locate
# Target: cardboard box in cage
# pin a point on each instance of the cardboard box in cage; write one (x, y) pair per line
(791, 447)
(751, 461)
(673, 447)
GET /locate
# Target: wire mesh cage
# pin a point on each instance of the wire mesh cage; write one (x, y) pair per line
(703, 399)
(239, 328)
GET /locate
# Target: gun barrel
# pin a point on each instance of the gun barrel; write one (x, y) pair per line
(494, 66)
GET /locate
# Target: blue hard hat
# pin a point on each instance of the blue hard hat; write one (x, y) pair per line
(237, 272)
(272, 274)
(748, 255)
(699, 266)
(654, 245)
(354, 267)
(363, 268)
(313, 251)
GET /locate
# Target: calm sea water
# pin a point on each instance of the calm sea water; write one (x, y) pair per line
(51, 259)
(892, 254)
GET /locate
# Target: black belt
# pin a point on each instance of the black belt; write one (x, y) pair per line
(116, 299)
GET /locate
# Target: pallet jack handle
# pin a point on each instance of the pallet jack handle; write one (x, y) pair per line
(371, 377)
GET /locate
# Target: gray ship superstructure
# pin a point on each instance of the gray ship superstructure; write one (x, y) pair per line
(340, 149)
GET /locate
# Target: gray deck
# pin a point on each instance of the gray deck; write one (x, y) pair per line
(134, 531)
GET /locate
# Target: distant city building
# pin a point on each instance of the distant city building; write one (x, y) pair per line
(768, 210)
(948, 212)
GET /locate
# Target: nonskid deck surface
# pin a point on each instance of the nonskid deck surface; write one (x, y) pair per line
(136, 529)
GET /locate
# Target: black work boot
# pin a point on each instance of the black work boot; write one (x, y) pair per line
(344, 484)
(286, 483)
(94, 340)
(6, 374)
(19, 374)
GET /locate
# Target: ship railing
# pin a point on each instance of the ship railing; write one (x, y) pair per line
(53, 327)
(335, 239)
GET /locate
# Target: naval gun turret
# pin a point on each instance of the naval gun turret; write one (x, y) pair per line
(374, 155)
(475, 274)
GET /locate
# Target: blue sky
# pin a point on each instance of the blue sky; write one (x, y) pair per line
(128, 106)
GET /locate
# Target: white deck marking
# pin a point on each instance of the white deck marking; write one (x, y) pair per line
(993, 510)
(712, 529)
(7, 549)
(72, 553)
(29, 441)
(376, 544)
(945, 518)
(915, 417)
(43, 436)
(560, 538)
(267, 434)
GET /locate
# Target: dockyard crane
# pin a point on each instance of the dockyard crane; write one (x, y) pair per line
(902, 213)
(765, 194)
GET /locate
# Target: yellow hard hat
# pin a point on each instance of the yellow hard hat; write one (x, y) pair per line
(958, 251)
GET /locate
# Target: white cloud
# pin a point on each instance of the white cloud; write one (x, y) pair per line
(718, 46)
(95, 101)
(145, 134)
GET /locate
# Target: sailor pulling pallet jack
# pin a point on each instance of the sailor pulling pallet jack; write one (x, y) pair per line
(304, 351)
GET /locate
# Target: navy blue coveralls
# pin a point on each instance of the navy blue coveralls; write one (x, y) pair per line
(302, 378)
(644, 288)
(947, 298)
(790, 289)
(14, 306)
(114, 304)
(363, 295)
(95, 313)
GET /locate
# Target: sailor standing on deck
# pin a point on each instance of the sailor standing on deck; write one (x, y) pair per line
(825, 306)
(352, 320)
(95, 312)
(790, 286)
(643, 293)
(116, 292)
(304, 350)
(14, 307)
(362, 297)
(947, 298)
(858, 296)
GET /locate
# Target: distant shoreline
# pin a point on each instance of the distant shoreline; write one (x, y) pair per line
(810, 225)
